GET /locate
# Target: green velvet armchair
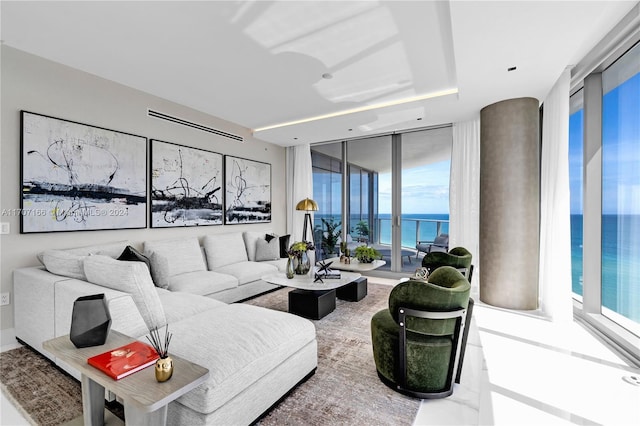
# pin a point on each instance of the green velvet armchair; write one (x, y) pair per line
(458, 257)
(418, 342)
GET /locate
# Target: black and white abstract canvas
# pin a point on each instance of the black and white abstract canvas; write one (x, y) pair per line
(248, 191)
(78, 177)
(186, 186)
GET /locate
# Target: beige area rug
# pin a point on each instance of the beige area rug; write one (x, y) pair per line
(345, 390)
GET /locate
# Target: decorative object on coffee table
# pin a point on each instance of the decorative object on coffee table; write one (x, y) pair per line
(90, 321)
(301, 262)
(289, 272)
(366, 254)
(164, 365)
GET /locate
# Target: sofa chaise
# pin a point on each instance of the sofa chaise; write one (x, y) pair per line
(255, 356)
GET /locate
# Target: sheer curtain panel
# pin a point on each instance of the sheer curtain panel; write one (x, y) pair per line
(464, 190)
(555, 237)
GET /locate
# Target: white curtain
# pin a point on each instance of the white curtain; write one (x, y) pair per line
(555, 231)
(464, 191)
(299, 187)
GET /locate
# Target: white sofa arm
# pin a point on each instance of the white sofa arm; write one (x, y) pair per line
(33, 298)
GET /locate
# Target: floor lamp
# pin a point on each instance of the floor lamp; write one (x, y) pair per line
(307, 205)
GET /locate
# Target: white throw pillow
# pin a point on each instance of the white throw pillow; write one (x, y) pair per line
(267, 250)
(159, 269)
(130, 277)
(63, 263)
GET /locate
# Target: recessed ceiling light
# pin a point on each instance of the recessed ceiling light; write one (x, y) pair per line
(511, 69)
(351, 130)
(327, 76)
(420, 118)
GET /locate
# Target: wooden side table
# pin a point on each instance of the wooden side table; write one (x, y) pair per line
(145, 400)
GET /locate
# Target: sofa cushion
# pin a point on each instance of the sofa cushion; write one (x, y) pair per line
(250, 238)
(178, 305)
(182, 255)
(130, 253)
(267, 250)
(63, 263)
(110, 249)
(224, 249)
(284, 245)
(246, 271)
(131, 277)
(281, 264)
(159, 269)
(203, 283)
(243, 344)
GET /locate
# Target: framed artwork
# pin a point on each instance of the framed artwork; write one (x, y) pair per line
(78, 177)
(186, 186)
(247, 191)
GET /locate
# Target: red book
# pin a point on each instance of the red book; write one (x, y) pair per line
(125, 360)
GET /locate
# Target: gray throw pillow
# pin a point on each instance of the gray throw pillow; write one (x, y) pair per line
(267, 250)
(159, 266)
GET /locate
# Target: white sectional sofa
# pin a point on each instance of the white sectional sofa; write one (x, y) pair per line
(254, 355)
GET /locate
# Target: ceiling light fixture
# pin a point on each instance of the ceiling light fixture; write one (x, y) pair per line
(361, 109)
(511, 69)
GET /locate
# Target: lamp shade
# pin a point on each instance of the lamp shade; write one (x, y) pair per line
(307, 204)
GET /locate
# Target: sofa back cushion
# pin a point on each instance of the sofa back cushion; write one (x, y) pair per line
(181, 255)
(250, 241)
(61, 262)
(224, 249)
(130, 277)
(109, 249)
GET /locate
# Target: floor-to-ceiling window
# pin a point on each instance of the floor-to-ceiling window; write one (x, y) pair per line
(621, 190)
(604, 130)
(576, 124)
(422, 202)
(327, 193)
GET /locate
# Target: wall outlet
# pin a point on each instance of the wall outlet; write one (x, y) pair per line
(5, 299)
(4, 228)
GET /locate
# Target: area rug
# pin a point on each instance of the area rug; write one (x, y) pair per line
(345, 390)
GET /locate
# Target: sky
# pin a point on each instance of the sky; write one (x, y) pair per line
(424, 190)
(620, 151)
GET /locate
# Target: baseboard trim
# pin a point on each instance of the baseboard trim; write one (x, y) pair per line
(7, 336)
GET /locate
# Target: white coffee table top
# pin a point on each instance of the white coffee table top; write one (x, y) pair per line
(354, 266)
(306, 282)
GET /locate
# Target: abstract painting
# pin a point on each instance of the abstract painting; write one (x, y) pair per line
(248, 191)
(186, 186)
(78, 177)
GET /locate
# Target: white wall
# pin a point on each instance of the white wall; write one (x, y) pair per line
(34, 84)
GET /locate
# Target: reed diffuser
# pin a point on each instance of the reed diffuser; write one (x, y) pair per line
(164, 365)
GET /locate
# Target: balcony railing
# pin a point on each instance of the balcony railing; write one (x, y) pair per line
(413, 230)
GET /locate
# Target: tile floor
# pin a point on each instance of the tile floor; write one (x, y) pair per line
(520, 370)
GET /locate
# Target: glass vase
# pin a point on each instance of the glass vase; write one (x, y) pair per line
(289, 270)
(301, 263)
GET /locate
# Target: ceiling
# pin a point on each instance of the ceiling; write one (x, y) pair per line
(265, 63)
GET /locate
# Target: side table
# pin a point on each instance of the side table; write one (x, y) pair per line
(145, 400)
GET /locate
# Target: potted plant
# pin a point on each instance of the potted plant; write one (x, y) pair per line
(330, 236)
(366, 254)
(298, 254)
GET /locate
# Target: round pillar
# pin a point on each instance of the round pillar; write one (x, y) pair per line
(510, 203)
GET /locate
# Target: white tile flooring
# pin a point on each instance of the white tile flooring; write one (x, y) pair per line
(520, 370)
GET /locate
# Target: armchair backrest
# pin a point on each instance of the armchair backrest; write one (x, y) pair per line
(458, 257)
(446, 290)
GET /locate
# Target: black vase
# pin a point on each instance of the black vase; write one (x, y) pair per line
(90, 321)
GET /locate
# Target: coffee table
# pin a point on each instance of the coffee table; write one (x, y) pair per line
(354, 266)
(145, 400)
(312, 299)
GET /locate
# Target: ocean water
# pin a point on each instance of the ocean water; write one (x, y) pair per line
(620, 254)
